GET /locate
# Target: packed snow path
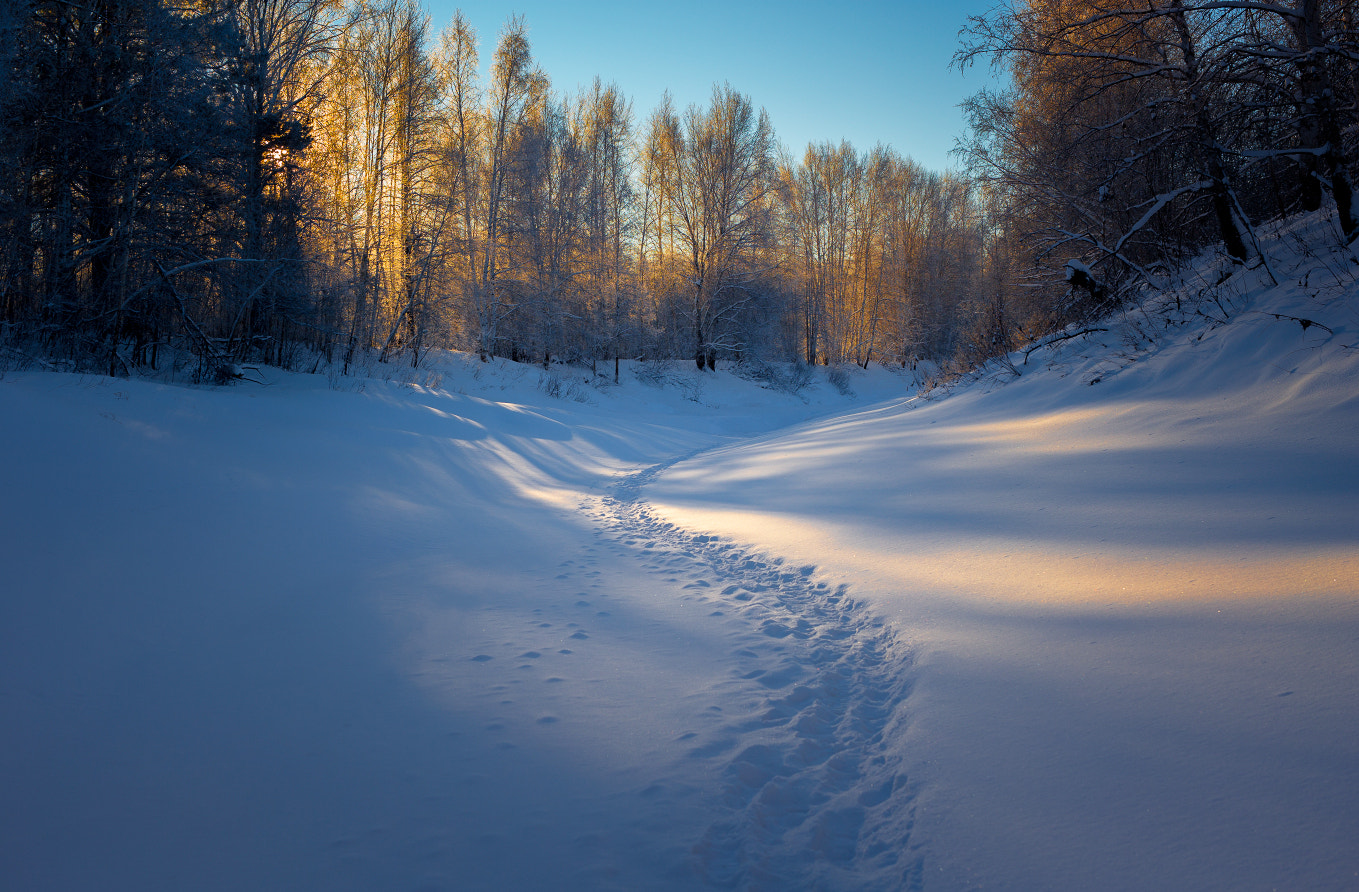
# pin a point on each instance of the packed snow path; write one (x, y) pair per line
(811, 795)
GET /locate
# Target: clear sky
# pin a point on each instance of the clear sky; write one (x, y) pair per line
(868, 72)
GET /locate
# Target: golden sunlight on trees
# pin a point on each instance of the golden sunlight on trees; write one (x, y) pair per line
(299, 181)
(883, 251)
(720, 162)
(378, 141)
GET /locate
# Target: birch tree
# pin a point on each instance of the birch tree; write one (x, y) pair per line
(604, 121)
(514, 84)
(724, 174)
(460, 169)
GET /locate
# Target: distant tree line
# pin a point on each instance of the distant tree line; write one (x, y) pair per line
(285, 181)
(289, 181)
(1135, 135)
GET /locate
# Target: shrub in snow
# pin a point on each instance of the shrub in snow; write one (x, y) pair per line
(554, 385)
(839, 379)
(651, 372)
(782, 377)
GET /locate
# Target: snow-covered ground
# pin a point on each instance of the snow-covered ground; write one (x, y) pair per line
(1093, 627)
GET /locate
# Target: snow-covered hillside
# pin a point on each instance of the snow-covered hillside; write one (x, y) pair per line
(1096, 626)
(1129, 580)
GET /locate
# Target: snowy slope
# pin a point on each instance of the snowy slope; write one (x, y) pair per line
(1131, 582)
(691, 632)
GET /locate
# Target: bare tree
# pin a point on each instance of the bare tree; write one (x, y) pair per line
(460, 170)
(656, 252)
(515, 82)
(821, 193)
(1119, 115)
(604, 121)
(724, 174)
(423, 211)
(1316, 44)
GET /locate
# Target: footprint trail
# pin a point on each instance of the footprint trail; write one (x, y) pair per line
(813, 794)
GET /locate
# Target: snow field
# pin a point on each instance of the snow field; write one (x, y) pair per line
(1096, 627)
(283, 637)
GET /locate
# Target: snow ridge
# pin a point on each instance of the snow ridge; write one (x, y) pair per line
(812, 788)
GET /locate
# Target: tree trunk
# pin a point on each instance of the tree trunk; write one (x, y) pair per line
(1318, 125)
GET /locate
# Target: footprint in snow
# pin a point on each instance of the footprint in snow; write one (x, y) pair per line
(816, 781)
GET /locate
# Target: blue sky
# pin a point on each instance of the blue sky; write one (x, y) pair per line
(867, 72)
